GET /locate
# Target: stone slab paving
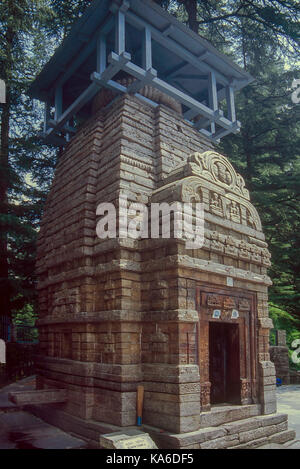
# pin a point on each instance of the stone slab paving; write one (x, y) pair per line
(24, 384)
(21, 430)
(288, 402)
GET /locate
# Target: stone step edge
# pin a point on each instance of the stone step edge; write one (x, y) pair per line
(279, 438)
(226, 430)
(221, 416)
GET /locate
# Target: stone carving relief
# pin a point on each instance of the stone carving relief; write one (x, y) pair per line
(233, 212)
(255, 253)
(222, 173)
(229, 302)
(216, 205)
(244, 305)
(233, 247)
(244, 251)
(216, 243)
(205, 396)
(192, 193)
(216, 167)
(214, 301)
(245, 390)
(227, 314)
(209, 178)
(250, 219)
(266, 257)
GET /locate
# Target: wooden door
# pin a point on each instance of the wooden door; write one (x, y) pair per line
(217, 363)
(224, 363)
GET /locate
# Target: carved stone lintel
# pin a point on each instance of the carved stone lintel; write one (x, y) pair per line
(244, 304)
(229, 302)
(214, 300)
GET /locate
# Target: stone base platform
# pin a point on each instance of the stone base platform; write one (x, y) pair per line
(225, 432)
(249, 433)
(45, 396)
(221, 414)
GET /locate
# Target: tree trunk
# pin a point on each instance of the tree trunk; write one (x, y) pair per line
(191, 8)
(6, 71)
(4, 183)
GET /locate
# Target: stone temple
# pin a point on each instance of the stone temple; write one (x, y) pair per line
(135, 99)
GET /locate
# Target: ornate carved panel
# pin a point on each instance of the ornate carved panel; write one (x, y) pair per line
(216, 204)
(229, 302)
(234, 212)
(212, 174)
(205, 396)
(192, 193)
(216, 168)
(214, 300)
(244, 304)
(245, 391)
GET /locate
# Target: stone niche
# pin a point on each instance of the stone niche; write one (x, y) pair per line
(119, 313)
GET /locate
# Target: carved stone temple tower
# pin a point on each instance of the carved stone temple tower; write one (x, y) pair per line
(135, 98)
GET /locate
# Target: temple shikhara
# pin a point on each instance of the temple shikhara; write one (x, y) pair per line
(138, 102)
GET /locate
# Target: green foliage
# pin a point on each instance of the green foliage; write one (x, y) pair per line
(283, 320)
(25, 317)
(25, 163)
(20, 360)
(24, 325)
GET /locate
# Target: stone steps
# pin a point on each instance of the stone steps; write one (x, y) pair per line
(45, 396)
(278, 439)
(225, 414)
(245, 433)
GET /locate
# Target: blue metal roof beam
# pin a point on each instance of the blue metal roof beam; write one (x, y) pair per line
(174, 47)
(88, 49)
(217, 70)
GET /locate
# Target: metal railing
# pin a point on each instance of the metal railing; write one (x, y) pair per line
(5, 328)
(21, 348)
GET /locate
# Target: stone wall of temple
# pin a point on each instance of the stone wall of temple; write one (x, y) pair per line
(117, 313)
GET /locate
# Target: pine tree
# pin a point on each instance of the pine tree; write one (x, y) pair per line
(20, 204)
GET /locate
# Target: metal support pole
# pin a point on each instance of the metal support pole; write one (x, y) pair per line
(58, 102)
(101, 54)
(147, 50)
(230, 103)
(120, 33)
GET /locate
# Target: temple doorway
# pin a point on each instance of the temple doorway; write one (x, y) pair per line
(224, 363)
